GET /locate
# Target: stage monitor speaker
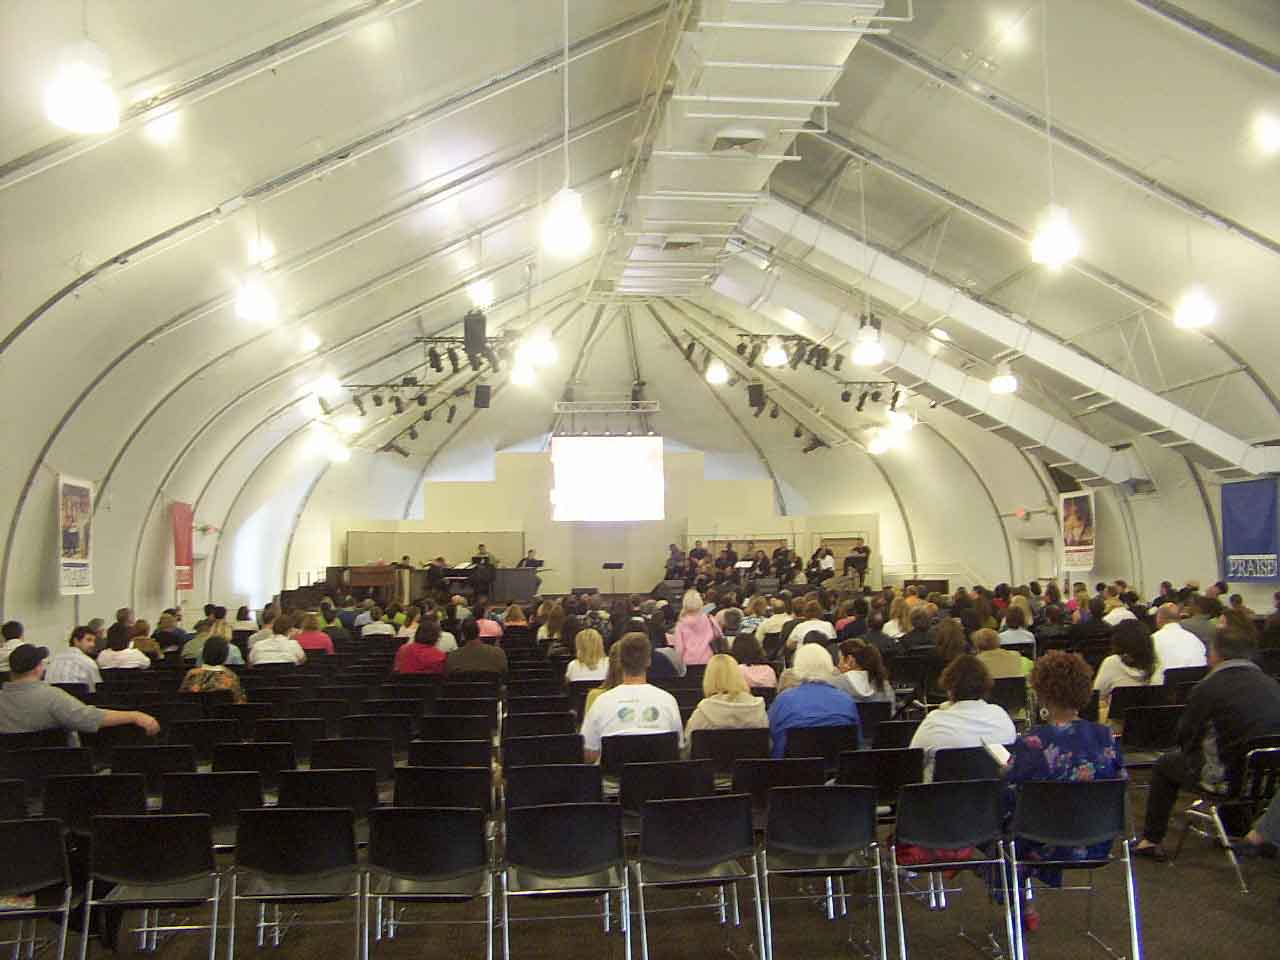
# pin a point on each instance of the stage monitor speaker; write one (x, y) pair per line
(473, 332)
(755, 395)
(482, 396)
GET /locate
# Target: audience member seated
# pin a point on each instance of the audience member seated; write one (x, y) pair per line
(1235, 703)
(141, 638)
(813, 620)
(409, 629)
(665, 660)
(1116, 610)
(1205, 611)
(919, 638)
(168, 634)
(280, 647)
(854, 624)
(612, 677)
(694, 631)
(476, 656)
(999, 661)
(1015, 632)
(863, 672)
(876, 637)
(13, 633)
(364, 616)
(489, 628)
(212, 675)
(74, 665)
(1132, 663)
(756, 672)
(590, 662)
(1052, 634)
(756, 612)
(28, 704)
(1263, 838)
(966, 719)
(376, 625)
(817, 700)
(898, 623)
(1089, 627)
(125, 619)
(777, 619)
(121, 654)
(949, 643)
(193, 649)
(422, 654)
(244, 621)
(726, 703)
(552, 629)
(634, 706)
(313, 639)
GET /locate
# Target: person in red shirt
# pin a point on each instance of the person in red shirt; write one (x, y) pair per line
(312, 638)
(421, 655)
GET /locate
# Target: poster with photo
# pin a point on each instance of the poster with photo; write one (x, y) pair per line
(75, 536)
(1078, 530)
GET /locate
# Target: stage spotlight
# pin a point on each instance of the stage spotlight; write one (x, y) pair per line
(758, 410)
(933, 404)
(774, 413)
(474, 360)
(754, 355)
(798, 357)
(846, 395)
(377, 400)
(688, 351)
(395, 448)
(862, 400)
(426, 417)
(492, 356)
(824, 357)
(837, 361)
(422, 399)
(453, 412)
(893, 400)
(413, 433)
(359, 405)
(797, 432)
(397, 403)
(815, 443)
(875, 396)
(742, 348)
(453, 360)
(324, 407)
(433, 358)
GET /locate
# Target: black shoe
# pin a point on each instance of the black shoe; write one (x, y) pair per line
(1155, 853)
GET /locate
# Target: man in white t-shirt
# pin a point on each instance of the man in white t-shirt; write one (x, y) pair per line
(280, 647)
(376, 626)
(632, 707)
(1175, 645)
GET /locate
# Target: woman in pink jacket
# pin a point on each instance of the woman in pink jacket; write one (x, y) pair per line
(694, 631)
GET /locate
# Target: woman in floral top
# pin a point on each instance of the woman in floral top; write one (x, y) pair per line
(213, 675)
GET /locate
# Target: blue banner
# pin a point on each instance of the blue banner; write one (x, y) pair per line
(1250, 530)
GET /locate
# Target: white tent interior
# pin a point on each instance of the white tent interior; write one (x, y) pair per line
(374, 160)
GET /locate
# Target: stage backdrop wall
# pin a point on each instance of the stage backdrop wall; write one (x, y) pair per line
(513, 512)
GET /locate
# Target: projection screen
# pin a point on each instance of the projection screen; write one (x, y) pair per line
(607, 478)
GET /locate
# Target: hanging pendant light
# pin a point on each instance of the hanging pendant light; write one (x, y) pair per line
(565, 229)
(254, 300)
(717, 373)
(1056, 242)
(867, 349)
(775, 355)
(1195, 310)
(80, 97)
(1004, 381)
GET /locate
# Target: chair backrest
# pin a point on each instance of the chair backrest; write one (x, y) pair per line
(950, 816)
(13, 800)
(470, 707)
(821, 819)
(538, 724)
(427, 842)
(289, 841)
(724, 745)
(475, 683)
(176, 711)
(637, 748)
(1122, 698)
(154, 762)
(77, 798)
(266, 758)
(558, 703)
(1010, 693)
(534, 688)
(355, 753)
(35, 765)
(302, 732)
(33, 740)
(245, 714)
(1175, 676)
(220, 795)
(895, 733)
(1261, 775)
(444, 787)
(561, 748)
(106, 740)
(203, 734)
(964, 763)
(154, 848)
(452, 727)
(886, 770)
(450, 753)
(396, 727)
(757, 777)
(872, 713)
(352, 693)
(35, 856)
(553, 783)
(698, 832)
(1152, 728)
(825, 742)
(667, 780)
(355, 790)
(397, 706)
(565, 839)
(1069, 813)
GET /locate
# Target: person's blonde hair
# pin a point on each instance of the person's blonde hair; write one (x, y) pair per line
(167, 622)
(613, 676)
(757, 607)
(221, 629)
(514, 614)
(692, 602)
(901, 612)
(589, 647)
(986, 639)
(723, 675)
(1023, 604)
(311, 623)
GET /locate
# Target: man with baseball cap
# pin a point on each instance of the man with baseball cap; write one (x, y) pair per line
(28, 704)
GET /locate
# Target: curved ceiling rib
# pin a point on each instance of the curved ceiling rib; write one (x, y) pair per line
(186, 92)
(1153, 415)
(1218, 36)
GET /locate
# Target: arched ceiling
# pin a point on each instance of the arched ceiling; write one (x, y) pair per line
(384, 154)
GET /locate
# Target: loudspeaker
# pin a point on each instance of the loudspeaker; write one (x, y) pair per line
(473, 332)
(482, 396)
(755, 395)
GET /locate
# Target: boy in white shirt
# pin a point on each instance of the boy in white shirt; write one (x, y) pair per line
(632, 707)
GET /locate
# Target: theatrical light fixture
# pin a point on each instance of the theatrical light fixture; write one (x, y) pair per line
(775, 355)
(80, 97)
(393, 447)
(758, 410)
(565, 230)
(837, 361)
(867, 350)
(413, 433)
(862, 401)
(688, 351)
(1004, 381)
(797, 432)
(325, 408)
(426, 417)
(1056, 242)
(481, 293)
(846, 395)
(875, 396)
(753, 355)
(359, 405)
(742, 348)
(1195, 310)
(453, 412)
(377, 400)
(421, 399)
(879, 443)
(254, 300)
(939, 334)
(815, 443)
(717, 372)
(797, 358)
(774, 413)
(474, 360)
(1266, 133)
(453, 360)
(308, 340)
(397, 403)
(433, 358)
(894, 398)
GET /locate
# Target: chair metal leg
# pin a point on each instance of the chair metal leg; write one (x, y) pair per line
(1013, 897)
(734, 915)
(1231, 853)
(625, 892)
(262, 924)
(1131, 896)
(144, 934)
(831, 903)
(897, 903)
(644, 927)
(66, 922)
(1014, 945)
(720, 903)
(842, 899)
(605, 911)
(488, 919)
(88, 911)
(377, 916)
(359, 918)
(762, 893)
(231, 919)
(506, 921)
(213, 917)
(755, 880)
(884, 939)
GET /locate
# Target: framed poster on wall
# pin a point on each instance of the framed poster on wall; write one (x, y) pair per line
(1250, 531)
(183, 517)
(75, 536)
(1078, 530)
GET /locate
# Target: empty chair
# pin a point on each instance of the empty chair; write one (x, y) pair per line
(1150, 729)
(176, 711)
(1010, 693)
(538, 724)
(13, 800)
(872, 713)
(964, 763)
(411, 706)
(330, 711)
(1122, 698)
(893, 734)
(219, 795)
(355, 790)
(154, 762)
(756, 778)
(355, 753)
(286, 855)
(695, 843)
(826, 832)
(245, 714)
(426, 855)
(396, 727)
(353, 694)
(667, 780)
(265, 758)
(453, 727)
(34, 865)
(1174, 677)
(637, 748)
(470, 684)
(553, 704)
(202, 735)
(104, 742)
(470, 707)
(80, 691)
(534, 688)
(444, 787)
(77, 798)
(153, 862)
(34, 766)
(533, 786)
(299, 731)
(562, 748)
(725, 745)
(33, 740)
(450, 753)
(825, 742)
(565, 850)
(886, 770)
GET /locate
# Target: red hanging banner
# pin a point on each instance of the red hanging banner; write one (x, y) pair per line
(183, 521)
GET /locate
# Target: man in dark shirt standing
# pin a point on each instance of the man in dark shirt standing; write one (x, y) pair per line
(855, 564)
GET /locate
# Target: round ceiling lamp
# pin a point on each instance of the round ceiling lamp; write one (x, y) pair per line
(717, 373)
(80, 97)
(775, 355)
(1004, 381)
(1056, 242)
(565, 230)
(1195, 310)
(867, 349)
(254, 300)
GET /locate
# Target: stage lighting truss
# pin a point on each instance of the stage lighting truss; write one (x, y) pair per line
(873, 391)
(799, 350)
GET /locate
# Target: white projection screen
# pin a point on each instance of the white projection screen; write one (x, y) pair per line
(609, 479)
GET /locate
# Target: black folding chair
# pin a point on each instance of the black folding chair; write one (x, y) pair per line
(265, 758)
(538, 724)
(534, 786)
(154, 762)
(396, 727)
(302, 732)
(153, 862)
(444, 787)
(354, 790)
(203, 735)
(76, 799)
(13, 800)
(821, 831)
(565, 850)
(176, 711)
(355, 753)
(696, 843)
(426, 855)
(756, 777)
(245, 714)
(665, 780)
(1176, 677)
(1072, 814)
(553, 704)
(535, 688)
(872, 713)
(219, 795)
(287, 855)
(33, 766)
(964, 763)
(1149, 732)
(396, 706)
(470, 707)
(895, 734)
(618, 750)
(725, 745)
(453, 727)
(825, 742)
(561, 748)
(331, 711)
(886, 770)
(34, 865)
(450, 753)
(33, 740)
(1010, 693)
(961, 815)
